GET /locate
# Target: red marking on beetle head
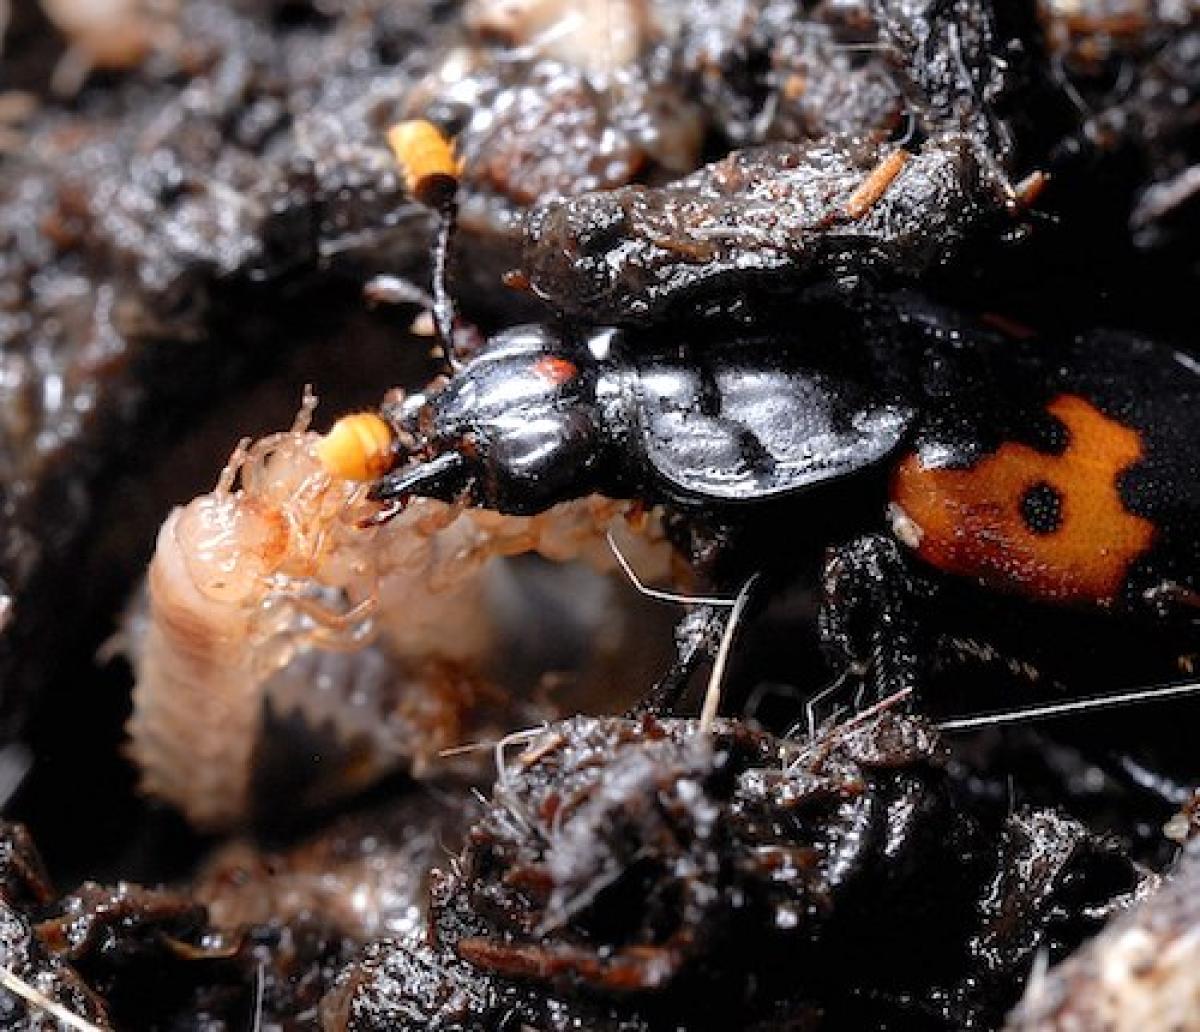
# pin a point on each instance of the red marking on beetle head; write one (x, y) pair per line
(515, 279)
(555, 370)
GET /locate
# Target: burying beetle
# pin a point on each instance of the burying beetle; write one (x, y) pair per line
(1051, 483)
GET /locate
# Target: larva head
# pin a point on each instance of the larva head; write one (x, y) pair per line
(518, 429)
(229, 548)
(276, 513)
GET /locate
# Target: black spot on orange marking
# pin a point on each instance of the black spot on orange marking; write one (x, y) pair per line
(555, 370)
(995, 522)
(1041, 508)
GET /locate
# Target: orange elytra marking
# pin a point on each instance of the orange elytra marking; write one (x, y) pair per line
(970, 521)
(556, 370)
(426, 157)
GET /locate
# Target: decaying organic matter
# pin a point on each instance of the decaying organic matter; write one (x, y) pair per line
(259, 934)
(957, 85)
(788, 213)
(1129, 69)
(1140, 972)
(24, 887)
(650, 874)
(793, 210)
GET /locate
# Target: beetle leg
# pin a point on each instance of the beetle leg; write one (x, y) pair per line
(696, 637)
(1158, 785)
(866, 621)
(1169, 597)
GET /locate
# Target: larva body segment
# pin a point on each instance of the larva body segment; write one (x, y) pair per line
(599, 36)
(193, 672)
(111, 35)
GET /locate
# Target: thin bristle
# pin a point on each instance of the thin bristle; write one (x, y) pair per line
(1088, 704)
(712, 696)
(42, 1002)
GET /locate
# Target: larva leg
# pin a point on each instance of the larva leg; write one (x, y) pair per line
(233, 466)
(331, 620)
(352, 639)
(264, 447)
(308, 405)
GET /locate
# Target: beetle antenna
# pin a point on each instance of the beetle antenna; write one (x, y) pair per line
(443, 304)
(712, 694)
(431, 175)
(659, 595)
(1155, 693)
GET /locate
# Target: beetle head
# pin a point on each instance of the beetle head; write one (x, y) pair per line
(516, 429)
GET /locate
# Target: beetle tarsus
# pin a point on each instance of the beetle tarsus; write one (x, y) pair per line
(866, 621)
(696, 638)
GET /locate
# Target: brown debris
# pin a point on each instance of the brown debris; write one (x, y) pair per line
(777, 215)
(876, 183)
(629, 873)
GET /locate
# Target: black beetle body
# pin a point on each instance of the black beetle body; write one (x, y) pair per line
(1062, 471)
(1057, 475)
(535, 420)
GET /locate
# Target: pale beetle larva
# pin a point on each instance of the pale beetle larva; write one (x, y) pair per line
(275, 567)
